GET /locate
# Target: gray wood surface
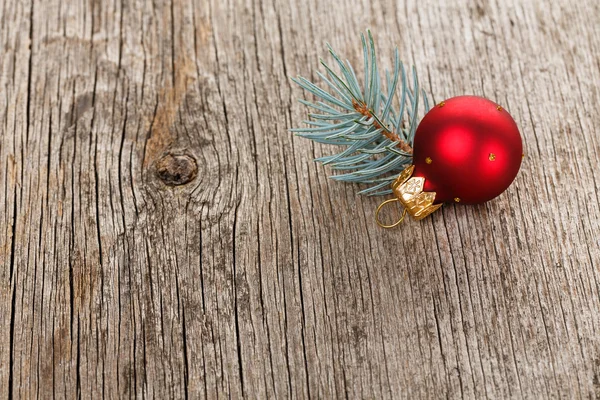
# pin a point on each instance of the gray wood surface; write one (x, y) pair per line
(163, 235)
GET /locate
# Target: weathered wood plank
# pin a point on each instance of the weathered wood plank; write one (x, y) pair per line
(163, 234)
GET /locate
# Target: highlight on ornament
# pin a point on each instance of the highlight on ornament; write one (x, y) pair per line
(465, 150)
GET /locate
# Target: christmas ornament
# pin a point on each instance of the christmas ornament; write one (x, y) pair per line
(465, 150)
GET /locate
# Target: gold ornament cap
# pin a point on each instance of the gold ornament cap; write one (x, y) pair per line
(409, 192)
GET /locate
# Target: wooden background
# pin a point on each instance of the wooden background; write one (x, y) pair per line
(260, 277)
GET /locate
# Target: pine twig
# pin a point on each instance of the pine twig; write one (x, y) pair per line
(365, 111)
(362, 119)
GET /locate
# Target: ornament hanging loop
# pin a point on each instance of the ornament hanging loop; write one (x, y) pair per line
(381, 224)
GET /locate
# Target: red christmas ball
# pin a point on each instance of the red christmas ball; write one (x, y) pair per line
(468, 149)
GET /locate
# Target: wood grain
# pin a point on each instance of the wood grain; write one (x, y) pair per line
(127, 271)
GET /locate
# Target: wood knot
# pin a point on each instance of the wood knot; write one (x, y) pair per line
(176, 169)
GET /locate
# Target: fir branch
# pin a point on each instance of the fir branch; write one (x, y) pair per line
(362, 118)
(365, 111)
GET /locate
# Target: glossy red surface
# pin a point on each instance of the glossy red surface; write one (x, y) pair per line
(474, 148)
